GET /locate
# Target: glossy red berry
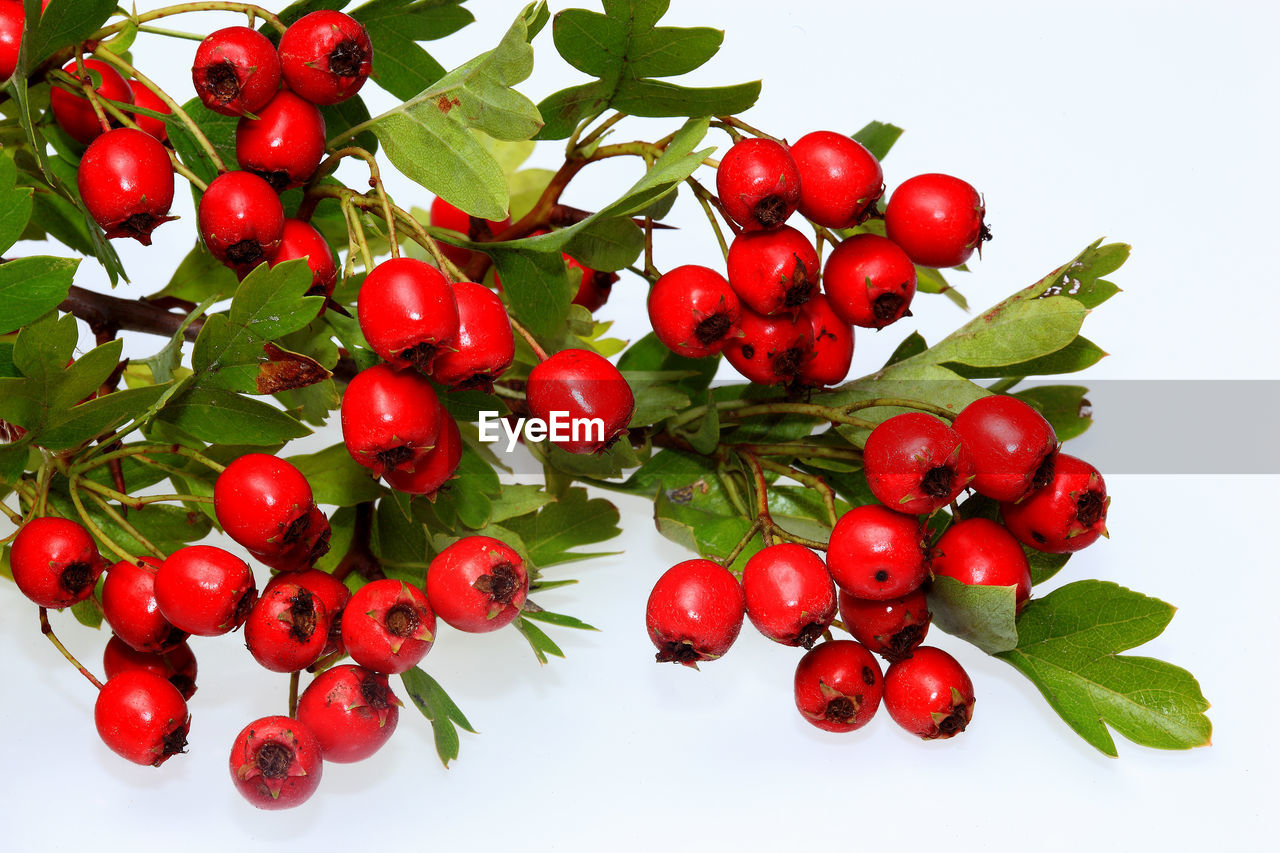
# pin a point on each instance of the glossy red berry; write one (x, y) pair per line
(55, 562)
(477, 584)
(283, 142)
(301, 240)
(176, 665)
(204, 590)
(929, 694)
(877, 554)
(429, 474)
(130, 608)
(262, 502)
(72, 110)
(388, 626)
(839, 178)
(838, 686)
(695, 612)
(241, 220)
(12, 24)
(758, 183)
(916, 464)
(1012, 445)
(326, 56)
(832, 344)
(770, 350)
(979, 552)
(407, 312)
(584, 400)
(236, 71)
(484, 346)
(147, 99)
(1064, 516)
(936, 219)
(287, 629)
(869, 281)
(892, 628)
(773, 271)
(276, 763)
(332, 593)
(594, 286)
(694, 311)
(390, 418)
(351, 711)
(789, 594)
(142, 717)
(445, 215)
(126, 183)
(300, 553)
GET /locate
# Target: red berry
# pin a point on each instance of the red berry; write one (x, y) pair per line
(936, 219)
(351, 711)
(205, 590)
(55, 562)
(877, 554)
(407, 312)
(483, 348)
(388, 626)
(287, 629)
(980, 552)
(838, 686)
(301, 240)
(892, 628)
(12, 24)
(832, 344)
(929, 694)
(445, 215)
(1066, 515)
(262, 502)
(870, 281)
(302, 552)
(326, 56)
(773, 271)
(758, 183)
(333, 594)
(176, 665)
(236, 71)
(428, 474)
(390, 418)
(694, 612)
(694, 311)
(142, 717)
(916, 464)
(594, 286)
(839, 179)
(241, 220)
(126, 183)
(789, 594)
(276, 763)
(147, 99)
(130, 608)
(72, 110)
(477, 584)
(584, 400)
(1012, 445)
(283, 142)
(770, 350)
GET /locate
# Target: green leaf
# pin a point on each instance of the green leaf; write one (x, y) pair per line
(221, 131)
(608, 244)
(395, 27)
(1044, 566)
(930, 280)
(878, 138)
(912, 345)
(15, 204)
(541, 644)
(200, 276)
(516, 500)
(336, 479)
(62, 23)
(551, 535)
(1064, 406)
(344, 115)
(439, 709)
(649, 353)
(399, 539)
(224, 417)
(1014, 332)
(31, 287)
(983, 615)
(557, 619)
(1069, 646)
(535, 282)
(1078, 355)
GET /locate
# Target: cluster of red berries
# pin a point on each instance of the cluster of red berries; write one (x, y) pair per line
(780, 317)
(880, 561)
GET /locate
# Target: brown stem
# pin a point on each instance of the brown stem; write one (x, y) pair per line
(360, 557)
(47, 630)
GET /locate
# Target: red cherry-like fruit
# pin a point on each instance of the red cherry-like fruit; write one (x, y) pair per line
(477, 584)
(407, 312)
(832, 344)
(263, 502)
(877, 554)
(351, 711)
(980, 552)
(326, 56)
(390, 418)
(276, 763)
(936, 219)
(839, 178)
(484, 346)
(758, 183)
(770, 350)
(287, 629)
(695, 612)
(55, 562)
(300, 553)
(1013, 447)
(694, 311)
(301, 240)
(916, 464)
(594, 286)
(838, 686)
(929, 694)
(204, 590)
(773, 271)
(388, 626)
(130, 608)
(147, 99)
(869, 281)
(241, 220)
(176, 665)
(1064, 516)
(142, 717)
(333, 594)
(445, 215)
(790, 596)
(126, 183)
(283, 142)
(72, 110)
(584, 400)
(236, 71)
(12, 24)
(427, 475)
(892, 628)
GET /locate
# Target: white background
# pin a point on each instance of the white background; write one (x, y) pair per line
(1151, 123)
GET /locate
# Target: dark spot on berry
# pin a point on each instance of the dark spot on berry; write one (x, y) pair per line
(809, 634)
(868, 676)
(1090, 509)
(297, 528)
(221, 80)
(402, 620)
(174, 637)
(320, 547)
(274, 760)
(714, 328)
(375, 691)
(937, 483)
(788, 362)
(1044, 473)
(346, 59)
(174, 742)
(501, 584)
(1038, 536)
(302, 612)
(748, 351)
(421, 356)
(395, 457)
(842, 709)
(801, 288)
(604, 280)
(75, 577)
(243, 606)
(246, 253)
(955, 722)
(770, 211)
(678, 652)
(887, 307)
(477, 382)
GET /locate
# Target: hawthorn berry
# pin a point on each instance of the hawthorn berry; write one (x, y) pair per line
(477, 584)
(869, 281)
(351, 711)
(288, 627)
(388, 626)
(980, 552)
(142, 717)
(936, 219)
(695, 612)
(916, 464)
(483, 347)
(149, 100)
(236, 71)
(276, 763)
(594, 286)
(427, 475)
(55, 562)
(302, 552)
(177, 665)
(590, 393)
(1013, 447)
(445, 215)
(773, 271)
(832, 344)
(838, 686)
(789, 594)
(204, 590)
(407, 312)
(693, 310)
(876, 553)
(262, 502)
(72, 110)
(331, 592)
(390, 418)
(1064, 516)
(325, 56)
(929, 694)
(301, 240)
(758, 183)
(12, 23)
(130, 608)
(770, 350)
(283, 142)
(891, 628)
(126, 182)
(241, 220)
(839, 178)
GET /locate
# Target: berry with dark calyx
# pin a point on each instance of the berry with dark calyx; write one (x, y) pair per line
(142, 717)
(838, 686)
(388, 626)
(484, 346)
(585, 395)
(936, 219)
(477, 584)
(147, 99)
(839, 178)
(869, 281)
(426, 476)
(695, 612)
(326, 56)
(876, 553)
(236, 71)
(445, 215)
(694, 311)
(351, 711)
(72, 110)
(276, 763)
(390, 418)
(130, 608)
(301, 240)
(204, 590)
(241, 220)
(758, 183)
(916, 464)
(832, 344)
(929, 694)
(331, 592)
(55, 562)
(283, 143)
(790, 596)
(770, 350)
(176, 665)
(1013, 447)
(1066, 515)
(407, 312)
(594, 286)
(126, 183)
(773, 271)
(263, 503)
(980, 552)
(892, 628)
(301, 553)
(287, 629)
